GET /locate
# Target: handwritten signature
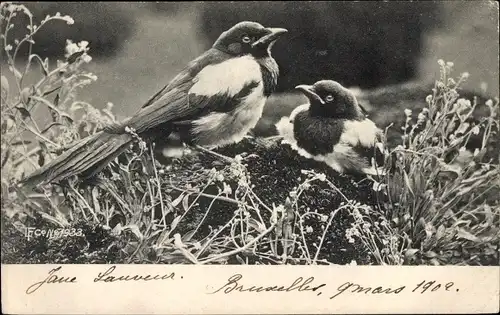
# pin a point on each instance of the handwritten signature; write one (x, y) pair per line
(105, 277)
(52, 278)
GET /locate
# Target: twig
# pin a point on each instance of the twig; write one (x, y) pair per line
(25, 156)
(200, 193)
(239, 250)
(227, 158)
(257, 210)
(84, 202)
(338, 190)
(28, 128)
(213, 238)
(259, 200)
(222, 198)
(158, 183)
(151, 198)
(30, 49)
(301, 227)
(206, 214)
(324, 233)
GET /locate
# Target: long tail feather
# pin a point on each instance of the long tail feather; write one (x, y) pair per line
(88, 156)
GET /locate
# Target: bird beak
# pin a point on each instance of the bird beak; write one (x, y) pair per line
(272, 36)
(309, 92)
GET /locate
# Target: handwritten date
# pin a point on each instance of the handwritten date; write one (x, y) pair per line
(235, 284)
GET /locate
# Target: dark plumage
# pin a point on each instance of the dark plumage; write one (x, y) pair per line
(333, 128)
(214, 101)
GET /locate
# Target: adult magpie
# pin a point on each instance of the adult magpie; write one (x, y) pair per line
(334, 129)
(214, 101)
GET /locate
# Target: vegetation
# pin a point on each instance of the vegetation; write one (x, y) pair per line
(255, 202)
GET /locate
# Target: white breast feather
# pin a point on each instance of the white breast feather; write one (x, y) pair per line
(359, 132)
(229, 76)
(233, 126)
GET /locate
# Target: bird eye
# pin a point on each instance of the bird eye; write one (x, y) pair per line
(246, 39)
(329, 98)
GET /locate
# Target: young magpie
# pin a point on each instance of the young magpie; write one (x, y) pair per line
(333, 128)
(214, 101)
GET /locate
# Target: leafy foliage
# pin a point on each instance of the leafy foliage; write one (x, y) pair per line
(440, 202)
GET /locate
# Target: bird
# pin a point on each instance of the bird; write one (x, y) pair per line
(214, 101)
(333, 128)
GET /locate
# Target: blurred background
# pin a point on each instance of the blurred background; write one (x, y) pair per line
(138, 47)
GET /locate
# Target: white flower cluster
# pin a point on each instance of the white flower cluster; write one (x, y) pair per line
(238, 171)
(378, 186)
(69, 20)
(422, 116)
(132, 131)
(73, 48)
(461, 106)
(351, 232)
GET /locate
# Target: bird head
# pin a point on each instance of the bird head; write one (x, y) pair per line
(328, 98)
(248, 38)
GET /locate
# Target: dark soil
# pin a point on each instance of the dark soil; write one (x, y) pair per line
(275, 171)
(94, 245)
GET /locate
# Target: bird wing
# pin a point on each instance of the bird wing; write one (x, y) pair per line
(365, 138)
(360, 133)
(212, 82)
(211, 56)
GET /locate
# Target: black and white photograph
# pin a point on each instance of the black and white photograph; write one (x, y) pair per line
(350, 133)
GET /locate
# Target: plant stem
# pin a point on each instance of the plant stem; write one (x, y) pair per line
(239, 250)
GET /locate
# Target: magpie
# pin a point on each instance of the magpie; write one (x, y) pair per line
(333, 128)
(214, 101)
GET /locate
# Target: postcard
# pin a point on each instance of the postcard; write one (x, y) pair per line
(250, 157)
